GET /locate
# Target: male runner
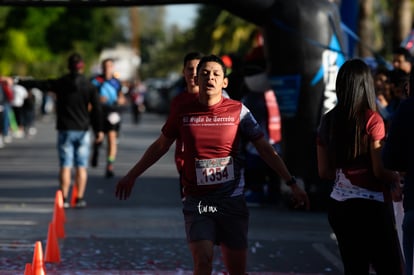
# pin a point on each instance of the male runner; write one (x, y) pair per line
(211, 127)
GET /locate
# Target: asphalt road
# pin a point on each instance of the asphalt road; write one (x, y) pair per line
(143, 235)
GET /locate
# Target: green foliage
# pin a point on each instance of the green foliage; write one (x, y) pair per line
(220, 32)
(90, 26)
(168, 57)
(204, 27)
(37, 41)
(34, 22)
(17, 53)
(232, 34)
(153, 44)
(4, 11)
(215, 31)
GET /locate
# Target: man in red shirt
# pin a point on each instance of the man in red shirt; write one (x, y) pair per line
(189, 92)
(211, 128)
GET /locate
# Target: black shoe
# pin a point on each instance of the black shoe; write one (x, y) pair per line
(80, 203)
(109, 173)
(66, 204)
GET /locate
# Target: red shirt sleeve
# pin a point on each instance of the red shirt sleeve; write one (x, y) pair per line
(171, 128)
(7, 91)
(375, 126)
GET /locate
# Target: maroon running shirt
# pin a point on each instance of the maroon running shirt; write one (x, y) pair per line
(211, 136)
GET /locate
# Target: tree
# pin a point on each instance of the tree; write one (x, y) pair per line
(402, 20)
(97, 27)
(366, 28)
(231, 34)
(23, 37)
(153, 51)
(215, 31)
(37, 41)
(383, 25)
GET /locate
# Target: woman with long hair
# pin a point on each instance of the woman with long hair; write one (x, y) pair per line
(349, 144)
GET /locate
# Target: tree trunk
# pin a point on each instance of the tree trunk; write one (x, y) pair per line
(402, 21)
(366, 29)
(134, 26)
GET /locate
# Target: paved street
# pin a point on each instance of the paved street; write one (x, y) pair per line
(144, 235)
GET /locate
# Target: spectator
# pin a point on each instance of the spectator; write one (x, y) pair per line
(3, 100)
(383, 91)
(350, 140)
(398, 91)
(402, 59)
(75, 96)
(189, 92)
(19, 95)
(398, 154)
(6, 86)
(136, 94)
(29, 114)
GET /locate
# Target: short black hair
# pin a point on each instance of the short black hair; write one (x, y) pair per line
(192, 56)
(104, 61)
(75, 62)
(212, 58)
(405, 52)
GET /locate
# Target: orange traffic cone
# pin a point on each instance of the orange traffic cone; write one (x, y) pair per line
(52, 254)
(59, 205)
(74, 195)
(58, 221)
(38, 267)
(28, 269)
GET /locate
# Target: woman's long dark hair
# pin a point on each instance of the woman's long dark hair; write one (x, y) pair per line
(347, 121)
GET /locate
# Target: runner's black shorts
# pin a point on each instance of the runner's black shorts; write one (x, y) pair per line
(112, 120)
(222, 221)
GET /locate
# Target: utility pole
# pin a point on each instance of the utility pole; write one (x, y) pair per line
(134, 25)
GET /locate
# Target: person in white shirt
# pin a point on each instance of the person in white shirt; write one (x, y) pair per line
(19, 95)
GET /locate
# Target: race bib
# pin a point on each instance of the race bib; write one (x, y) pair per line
(214, 171)
(114, 118)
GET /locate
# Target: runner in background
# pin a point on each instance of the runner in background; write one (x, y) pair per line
(112, 100)
(189, 92)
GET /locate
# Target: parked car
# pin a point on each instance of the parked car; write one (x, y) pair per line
(160, 92)
(156, 98)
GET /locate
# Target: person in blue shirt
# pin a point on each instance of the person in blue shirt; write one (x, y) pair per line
(112, 99)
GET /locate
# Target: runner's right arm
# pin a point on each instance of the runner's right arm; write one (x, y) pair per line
(156, 150)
